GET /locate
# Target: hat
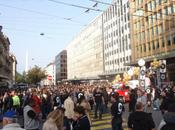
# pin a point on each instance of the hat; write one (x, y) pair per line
(8, 114)
(115, 95)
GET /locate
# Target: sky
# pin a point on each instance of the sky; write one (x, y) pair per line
(24, 22)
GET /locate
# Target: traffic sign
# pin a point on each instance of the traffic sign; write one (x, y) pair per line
(49, 77)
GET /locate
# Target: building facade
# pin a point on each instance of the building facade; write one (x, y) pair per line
(6, 61)
(85, 52)
(50, 72)
(14, 68)
(61, 66)
(116, 34)
(153, 31)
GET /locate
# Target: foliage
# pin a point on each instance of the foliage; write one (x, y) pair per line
(20, 78)
(35, 75)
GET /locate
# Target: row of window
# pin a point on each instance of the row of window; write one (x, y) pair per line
(117, 61)
(117, 9)
(117, 22)
(155, 45)
(123, 48)
(117, 32)
(117, 70)
(154, 3)
(153, 31)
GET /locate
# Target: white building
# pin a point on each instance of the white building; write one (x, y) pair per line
(50, 72)
(85, 52)
(116, 31)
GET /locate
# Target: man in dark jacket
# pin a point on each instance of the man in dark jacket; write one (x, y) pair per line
(140, 120)
(116, 110)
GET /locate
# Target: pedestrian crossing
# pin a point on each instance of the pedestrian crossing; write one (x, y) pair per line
(104, 123)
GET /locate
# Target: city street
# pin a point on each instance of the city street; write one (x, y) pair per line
(59, 58)
(105, 123)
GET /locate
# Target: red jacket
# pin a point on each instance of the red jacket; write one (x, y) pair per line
(37, 105)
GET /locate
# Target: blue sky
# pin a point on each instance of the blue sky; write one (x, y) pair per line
(24, 20)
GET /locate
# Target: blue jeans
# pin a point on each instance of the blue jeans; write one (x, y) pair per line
(98, 107)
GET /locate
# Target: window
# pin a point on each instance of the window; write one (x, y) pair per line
(169, 42)
(163, 43)
(144, 48)
(149, 47)
(153, 45)
(160, 1)
(174, 39)
(157, 45)
(141, 49)
(166, 11)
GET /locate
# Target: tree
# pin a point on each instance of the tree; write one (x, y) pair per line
(20, 78)
(35, 75)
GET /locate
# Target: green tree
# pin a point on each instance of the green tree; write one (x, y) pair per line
(35, 75)
(20, 78)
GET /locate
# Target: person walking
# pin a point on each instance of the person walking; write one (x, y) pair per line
(98, 102)
(140, 120)
(16, 101)
(116, 110)
(69, 108)
(133, 100)
(31, 121)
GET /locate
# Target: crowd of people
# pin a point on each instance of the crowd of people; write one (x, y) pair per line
(68, 107)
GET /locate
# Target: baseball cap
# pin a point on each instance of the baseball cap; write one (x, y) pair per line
(8, 114)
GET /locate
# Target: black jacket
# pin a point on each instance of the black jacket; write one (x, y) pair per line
(140, 121)
(82, 123)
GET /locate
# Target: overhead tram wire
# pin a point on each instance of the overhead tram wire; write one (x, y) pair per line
(97, 1)
(104, 3)
(38, 12)
(74, 5)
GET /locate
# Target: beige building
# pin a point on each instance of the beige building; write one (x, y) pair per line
(85, 52)
(153, 31)
(7, 72)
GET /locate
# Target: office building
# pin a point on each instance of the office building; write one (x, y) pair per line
(153, 31)
(85, 52)
(61, 66)
(116, 35)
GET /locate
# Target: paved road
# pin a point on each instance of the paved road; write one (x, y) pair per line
(105, 123)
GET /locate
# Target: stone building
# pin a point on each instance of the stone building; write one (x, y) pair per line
(6, 61)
